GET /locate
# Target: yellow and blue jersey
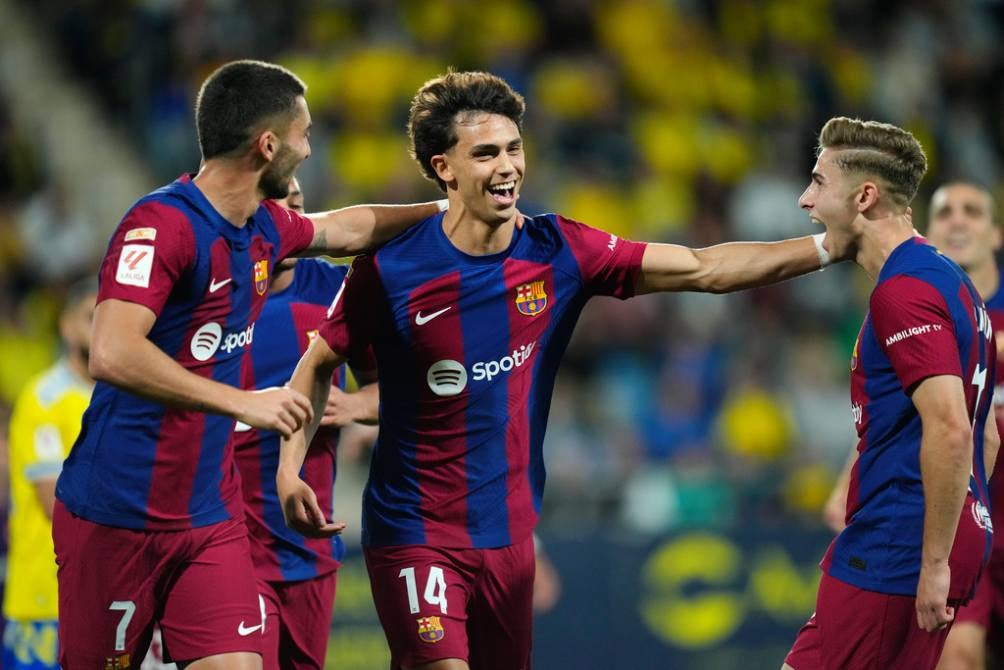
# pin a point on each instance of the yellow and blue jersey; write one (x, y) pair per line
(44, 424)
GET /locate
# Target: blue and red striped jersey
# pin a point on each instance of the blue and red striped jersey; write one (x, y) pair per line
(995, 308)
(925, 319)
(137, 463)
(288, 322)
(467, 348)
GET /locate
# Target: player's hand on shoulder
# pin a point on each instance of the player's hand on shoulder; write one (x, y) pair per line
(281, 409)
(301, 511)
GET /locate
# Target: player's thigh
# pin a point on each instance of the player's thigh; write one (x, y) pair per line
(805, 651)
(500, 627)
(865, 630)
(271, 630)
(108, 581)
(213, 606)
(304, 623)
(849, 629)
(965, 647)
(421, 596)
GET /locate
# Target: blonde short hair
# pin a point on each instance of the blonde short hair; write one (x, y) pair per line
(881, 150)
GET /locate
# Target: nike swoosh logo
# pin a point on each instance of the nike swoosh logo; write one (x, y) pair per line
(244, 631)
(215, 285)
(422, 320)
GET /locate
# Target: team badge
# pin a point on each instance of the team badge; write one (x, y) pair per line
(261, 276)
(430, 629)
(531, 299)
(120, 662)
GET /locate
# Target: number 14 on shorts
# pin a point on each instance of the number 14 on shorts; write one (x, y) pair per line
(435, 588)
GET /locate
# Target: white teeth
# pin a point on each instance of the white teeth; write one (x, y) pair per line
(506, 186)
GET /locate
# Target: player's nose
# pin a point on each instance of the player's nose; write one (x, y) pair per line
(804, 200)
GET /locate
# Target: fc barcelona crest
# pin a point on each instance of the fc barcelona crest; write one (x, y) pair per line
(261, 276)
(531, 299)
(430, 629)
(119, 662)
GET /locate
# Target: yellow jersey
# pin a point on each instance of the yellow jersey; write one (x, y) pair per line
(44, 425)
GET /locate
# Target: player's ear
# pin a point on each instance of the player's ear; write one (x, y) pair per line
(267, 144)
(995, 237)
(868, 196)
(442, 168)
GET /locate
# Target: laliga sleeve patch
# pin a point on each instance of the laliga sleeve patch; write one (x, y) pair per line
(135, 264)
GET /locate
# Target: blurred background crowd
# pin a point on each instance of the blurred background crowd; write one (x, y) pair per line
(689, 121)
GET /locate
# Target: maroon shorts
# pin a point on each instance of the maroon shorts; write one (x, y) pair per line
(471, 604)
(854, 629)
(987, 606)
(986, 609)
(114, 583)
(297, 622)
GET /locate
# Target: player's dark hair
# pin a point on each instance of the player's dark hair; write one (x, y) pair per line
(881, 150)
(434, 110)
(240, 98)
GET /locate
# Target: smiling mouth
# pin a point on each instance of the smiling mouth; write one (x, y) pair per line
(503, 193)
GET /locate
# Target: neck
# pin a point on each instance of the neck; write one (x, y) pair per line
(474, 236)
(986, 279)
(878, 238)
(230, 188)
(78, 364)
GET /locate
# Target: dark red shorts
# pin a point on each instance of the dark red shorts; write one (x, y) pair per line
(854, 629)
(297, 622)
(114, 583)
(471, 604)
(987, 606)
(986, 609)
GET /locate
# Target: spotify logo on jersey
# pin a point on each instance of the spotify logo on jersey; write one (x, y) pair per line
(446, 377)
(206, 341)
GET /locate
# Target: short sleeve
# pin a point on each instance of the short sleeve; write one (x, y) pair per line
(349, 326)
(915, 330)
(296, 231)
(609, 265)
(149, 251)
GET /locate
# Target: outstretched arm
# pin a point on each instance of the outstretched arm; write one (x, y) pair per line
(312, 377)
(725, 267)
(354, 230)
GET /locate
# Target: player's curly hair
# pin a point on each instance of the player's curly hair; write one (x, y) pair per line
(438, 102)
(238, 99)
(881, 150)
